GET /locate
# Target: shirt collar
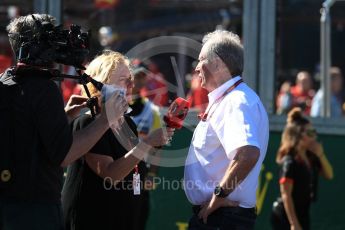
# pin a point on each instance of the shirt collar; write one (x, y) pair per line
(218, 92)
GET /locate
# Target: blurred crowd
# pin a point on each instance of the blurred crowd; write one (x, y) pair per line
(155, 87)
(300, 92)
(303, 94)
(303, 91)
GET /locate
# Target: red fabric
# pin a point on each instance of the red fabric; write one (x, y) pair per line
(156, 90)
(198, 95)
(284, 180)
(5, 62)
(106, 4)
(299, 97)
(68, 88)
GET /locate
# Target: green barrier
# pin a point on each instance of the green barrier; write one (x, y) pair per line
(170, 209)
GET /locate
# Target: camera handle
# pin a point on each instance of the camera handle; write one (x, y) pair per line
(55, 74)
(82, 78)
(92, 102)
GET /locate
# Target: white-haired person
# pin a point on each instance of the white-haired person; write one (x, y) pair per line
(229, 143)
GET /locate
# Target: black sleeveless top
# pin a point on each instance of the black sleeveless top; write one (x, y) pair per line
(91, 202)
(304, 178)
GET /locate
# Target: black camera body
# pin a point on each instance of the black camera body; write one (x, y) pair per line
(49, 44)
(54, 44)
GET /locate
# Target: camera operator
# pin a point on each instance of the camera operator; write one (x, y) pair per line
(38, 141)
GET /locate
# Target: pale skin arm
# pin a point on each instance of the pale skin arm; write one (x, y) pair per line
(286, 191)
(84, 139)
(238, 170)
(105, 166)
(326, 167)
(74, 106)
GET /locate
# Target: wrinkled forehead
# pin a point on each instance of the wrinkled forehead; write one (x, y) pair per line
(303, 77)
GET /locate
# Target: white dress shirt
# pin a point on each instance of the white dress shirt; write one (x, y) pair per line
(237, 120)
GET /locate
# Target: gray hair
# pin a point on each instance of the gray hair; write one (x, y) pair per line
(227, 46)
(25, 25)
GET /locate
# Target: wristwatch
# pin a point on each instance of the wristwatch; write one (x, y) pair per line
(219, 191)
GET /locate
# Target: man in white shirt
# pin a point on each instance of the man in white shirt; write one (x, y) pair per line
(230, 142)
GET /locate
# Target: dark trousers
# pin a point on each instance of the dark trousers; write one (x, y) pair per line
(279, 219)
(30, 216)
(229, 218)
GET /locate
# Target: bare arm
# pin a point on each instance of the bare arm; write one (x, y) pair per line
(326, 167)
(286, 191)
(74, 106)
(84, 139)
(239, 168)
(105, 166)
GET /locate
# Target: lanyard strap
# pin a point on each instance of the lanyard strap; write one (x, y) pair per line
(231, 88)
(204, 116)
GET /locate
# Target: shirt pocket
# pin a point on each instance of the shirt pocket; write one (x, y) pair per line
(200, 135)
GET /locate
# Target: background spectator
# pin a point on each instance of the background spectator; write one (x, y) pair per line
(284, 98)
(303, 92)
(299, 95)
(336, 95)
(197, 95)
(156, 88)
(301, 158)
(146, 116)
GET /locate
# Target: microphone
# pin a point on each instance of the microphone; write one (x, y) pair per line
(177, 112)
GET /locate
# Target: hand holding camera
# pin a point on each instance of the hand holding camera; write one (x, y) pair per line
(74, 105)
